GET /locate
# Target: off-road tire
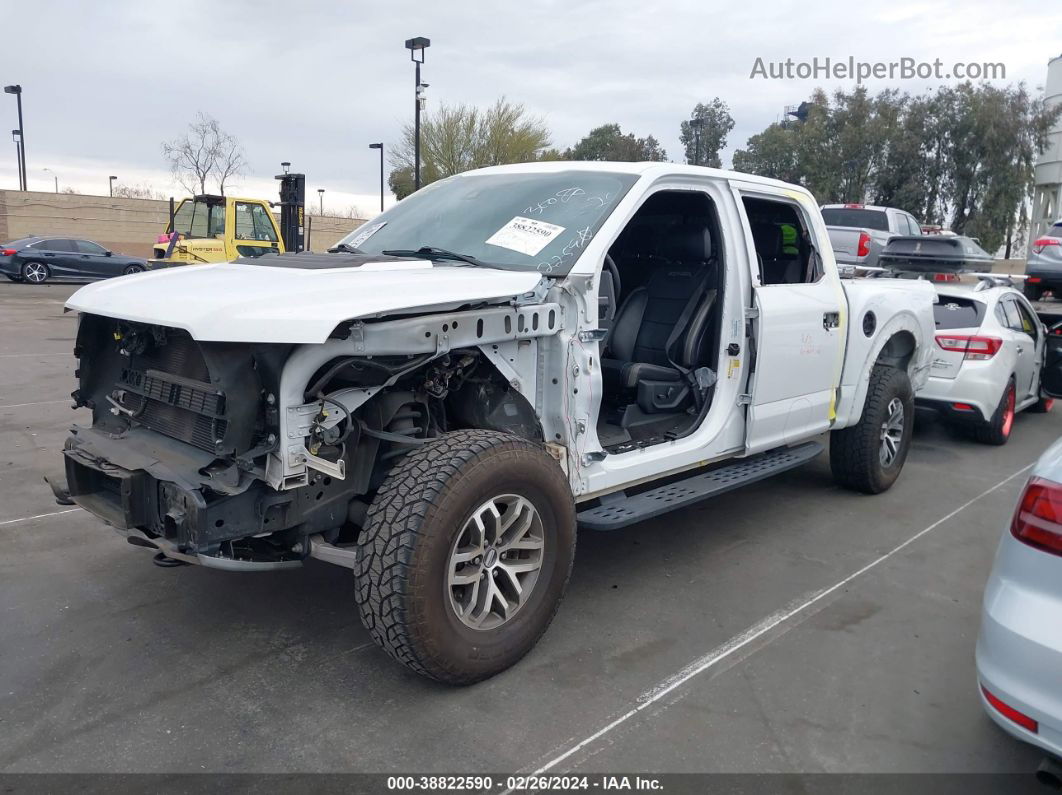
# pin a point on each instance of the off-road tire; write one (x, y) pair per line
(855, 452)
(1033, 292)
(997, 430)
(411, 527)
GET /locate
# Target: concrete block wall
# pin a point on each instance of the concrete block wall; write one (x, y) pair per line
(126, 225)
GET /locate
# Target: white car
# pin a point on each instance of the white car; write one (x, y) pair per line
(988, 361)
(1019, 649)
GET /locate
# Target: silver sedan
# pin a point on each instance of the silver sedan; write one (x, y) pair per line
(1019, 650)
(991, 356)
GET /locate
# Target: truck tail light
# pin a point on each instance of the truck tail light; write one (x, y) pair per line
(978, 348)
(1038, 517)
(1007, 711)
(1033, 280)
(1044, 242)
(854, 206)
(864, 245)
(8, 252)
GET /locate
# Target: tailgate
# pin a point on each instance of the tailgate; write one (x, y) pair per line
(955, 316)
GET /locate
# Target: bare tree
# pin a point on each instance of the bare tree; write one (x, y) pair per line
(137, 192)
(205, 151)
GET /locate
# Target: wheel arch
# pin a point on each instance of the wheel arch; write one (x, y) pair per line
(902, 343)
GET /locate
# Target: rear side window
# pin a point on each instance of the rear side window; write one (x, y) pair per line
(851, 216)
(956, 312)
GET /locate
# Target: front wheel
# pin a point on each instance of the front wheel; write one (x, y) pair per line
(465, 554)
(869, 455)
(133, 269)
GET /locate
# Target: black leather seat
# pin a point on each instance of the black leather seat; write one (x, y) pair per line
(637, 356)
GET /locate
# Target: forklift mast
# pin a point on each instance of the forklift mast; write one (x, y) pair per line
(292, 210)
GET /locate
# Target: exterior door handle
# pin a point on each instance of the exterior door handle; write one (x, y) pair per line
(831, 320)
(1021, 350)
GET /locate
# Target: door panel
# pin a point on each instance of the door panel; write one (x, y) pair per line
(255, 233)
(1051, 374)
(1029, 362)
(799, 333)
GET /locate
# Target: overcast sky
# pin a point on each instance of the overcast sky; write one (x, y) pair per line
(316, 82)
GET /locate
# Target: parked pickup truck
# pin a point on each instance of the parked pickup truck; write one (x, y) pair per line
(504, 355)
(858, 232)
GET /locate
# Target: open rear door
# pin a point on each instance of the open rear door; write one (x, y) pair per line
(1051, 374)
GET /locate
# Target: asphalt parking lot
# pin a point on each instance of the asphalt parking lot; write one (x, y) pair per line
(786, 627)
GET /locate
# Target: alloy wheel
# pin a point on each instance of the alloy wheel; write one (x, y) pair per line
(495, 561)
(891, 432)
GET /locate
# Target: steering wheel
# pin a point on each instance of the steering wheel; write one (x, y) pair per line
(611, 265)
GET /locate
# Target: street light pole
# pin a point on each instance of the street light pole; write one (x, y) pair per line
(16, 136)
(695, 125)
(320, 197)
(17, 91)
(110, 185)
(54, 176)
(380, 146)
(417, 45)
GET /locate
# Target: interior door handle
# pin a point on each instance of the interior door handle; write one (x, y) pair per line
(831, 320)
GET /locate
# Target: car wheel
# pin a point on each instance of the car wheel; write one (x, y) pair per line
(133, 269)
(465, 555)
(1042, 406)
(868, 456)
(1033, 292)
(997, 430)
(35, 272)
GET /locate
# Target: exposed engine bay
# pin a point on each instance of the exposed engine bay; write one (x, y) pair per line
(236, 455)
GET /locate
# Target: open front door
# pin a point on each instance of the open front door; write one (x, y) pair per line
(1051, 373)
(799, 329)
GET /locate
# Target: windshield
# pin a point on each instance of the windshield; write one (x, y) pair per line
(848, 216)
(516, 221)
(199, 219)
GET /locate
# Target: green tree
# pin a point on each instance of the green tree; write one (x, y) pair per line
(609, 142)
(713, 123)
(771, 153)
(457, 138)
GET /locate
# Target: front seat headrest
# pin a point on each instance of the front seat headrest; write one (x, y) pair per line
(687, 243)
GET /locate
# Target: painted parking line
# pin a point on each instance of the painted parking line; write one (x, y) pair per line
(38, 403)
(753, 633)
(38, 516)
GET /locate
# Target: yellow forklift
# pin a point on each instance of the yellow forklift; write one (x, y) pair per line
(208, 228)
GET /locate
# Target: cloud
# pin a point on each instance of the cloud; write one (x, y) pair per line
(316, 82)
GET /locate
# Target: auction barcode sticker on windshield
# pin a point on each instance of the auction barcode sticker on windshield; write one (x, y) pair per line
(525, 235)
(365, 233)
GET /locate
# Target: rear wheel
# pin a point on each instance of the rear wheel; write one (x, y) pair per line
(1033, 292)
(868, 456)
(997, 430)
(134, 269)
(35, 272)
(465, 554)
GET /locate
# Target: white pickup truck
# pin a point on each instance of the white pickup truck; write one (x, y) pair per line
(439, 401)
(859, 232)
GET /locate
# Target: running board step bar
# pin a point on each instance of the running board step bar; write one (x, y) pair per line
(618, 510)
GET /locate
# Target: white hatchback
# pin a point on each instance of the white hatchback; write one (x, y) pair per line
(990, 358)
